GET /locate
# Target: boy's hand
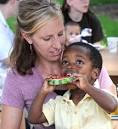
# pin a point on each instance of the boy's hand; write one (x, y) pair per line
(81, 81)
(46, 88)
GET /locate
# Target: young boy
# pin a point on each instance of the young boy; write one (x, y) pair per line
(83, 106)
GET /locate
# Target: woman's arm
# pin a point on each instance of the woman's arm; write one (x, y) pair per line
(106, 82)
(11, 117)
(36, 115)
(23, 125)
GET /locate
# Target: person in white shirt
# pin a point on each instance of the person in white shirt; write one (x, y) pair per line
(8, 8)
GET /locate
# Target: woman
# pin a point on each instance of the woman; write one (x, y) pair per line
(38, 44)
(77, 11)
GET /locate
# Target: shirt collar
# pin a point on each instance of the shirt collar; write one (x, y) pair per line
(67, 96)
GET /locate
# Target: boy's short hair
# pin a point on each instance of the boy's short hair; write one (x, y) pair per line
(93, 53)
(3, 1)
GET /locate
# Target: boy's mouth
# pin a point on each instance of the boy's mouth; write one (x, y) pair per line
(71, 70)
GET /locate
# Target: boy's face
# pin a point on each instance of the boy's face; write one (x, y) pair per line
(78, 61)
(72, 31)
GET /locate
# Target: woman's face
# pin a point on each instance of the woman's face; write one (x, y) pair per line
(49, 40)
(79, 5)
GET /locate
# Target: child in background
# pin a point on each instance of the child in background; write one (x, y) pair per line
(74, 34)
(82, 107)
(72, 29)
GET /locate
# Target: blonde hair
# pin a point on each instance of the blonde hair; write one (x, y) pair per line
(32, 15)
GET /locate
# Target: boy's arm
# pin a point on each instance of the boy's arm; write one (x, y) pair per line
(106, 101)
(35, 115)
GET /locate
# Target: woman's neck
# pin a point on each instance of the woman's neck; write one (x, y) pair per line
(48, 68)
(75, 15)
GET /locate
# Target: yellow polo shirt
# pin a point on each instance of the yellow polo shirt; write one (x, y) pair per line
(66, 115)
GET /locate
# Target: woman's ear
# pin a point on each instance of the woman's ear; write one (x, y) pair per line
(26, 37)
(95, 73)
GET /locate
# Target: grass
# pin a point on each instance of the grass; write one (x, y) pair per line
(110, 26)
(97, 2)
(12, 23)
(102, 2)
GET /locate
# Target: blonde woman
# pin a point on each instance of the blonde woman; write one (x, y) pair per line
(38, 44)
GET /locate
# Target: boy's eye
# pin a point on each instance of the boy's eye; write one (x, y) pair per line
(79, 62)
(64, 62)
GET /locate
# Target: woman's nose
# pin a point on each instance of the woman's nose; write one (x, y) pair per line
(57, 43)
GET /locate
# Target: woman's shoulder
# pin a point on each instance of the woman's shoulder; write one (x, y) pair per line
(13, 75)
(92, 17)
(19, 88)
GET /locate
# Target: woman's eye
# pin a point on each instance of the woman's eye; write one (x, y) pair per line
(46, 38)
(60, 34)
(79, 62)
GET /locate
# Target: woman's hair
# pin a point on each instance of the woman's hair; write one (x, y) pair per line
(32, 15)
(93, 54)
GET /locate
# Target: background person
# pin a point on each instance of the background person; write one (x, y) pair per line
(8, 8)
(78, 11)
(72, 30)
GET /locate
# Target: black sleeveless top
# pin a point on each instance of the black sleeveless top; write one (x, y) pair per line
(88, 22)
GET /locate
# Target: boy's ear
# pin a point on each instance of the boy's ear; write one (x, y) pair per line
(26, 37)
(95, 73)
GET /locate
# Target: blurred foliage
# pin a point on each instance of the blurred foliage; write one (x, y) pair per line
(97, 2)
(110, 25)
(101, 2)
(12, 23)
